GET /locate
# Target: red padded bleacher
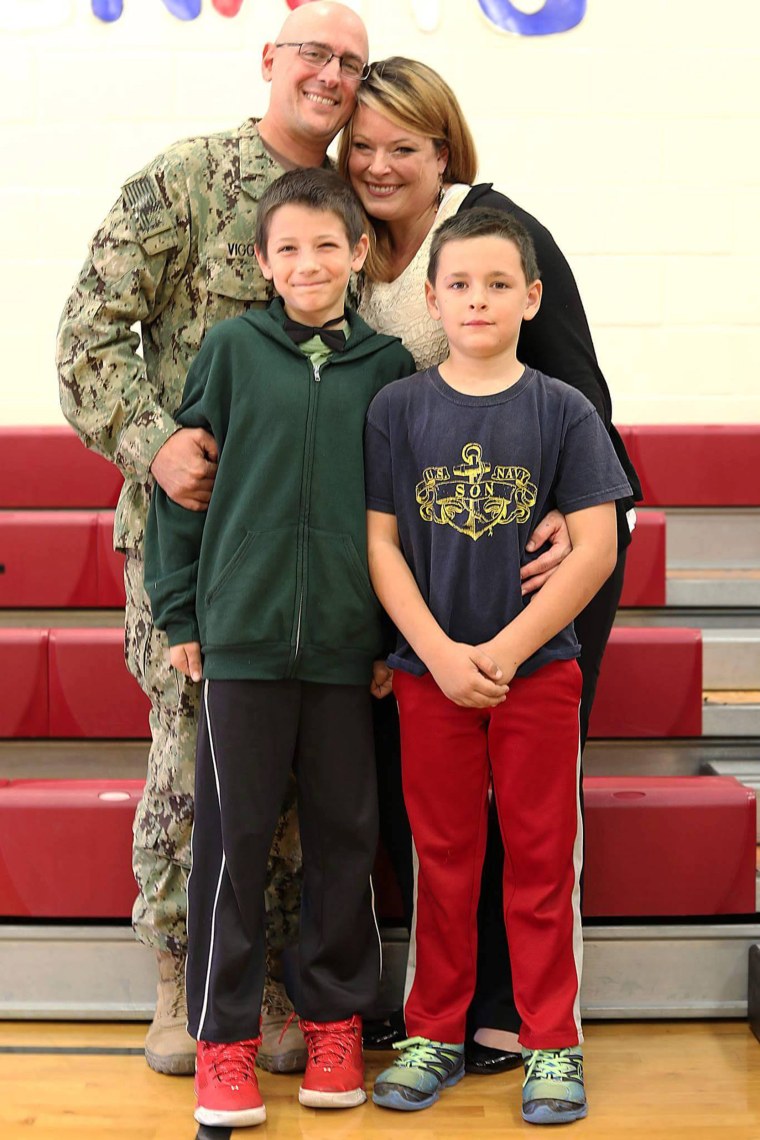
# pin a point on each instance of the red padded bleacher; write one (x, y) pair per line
(59, 559)
(662, 845)
(50, 467)
(50, 558)
(644, 583)
(24, 673)
(650, 684)
(92, 694)
(65, 848)
(696, 465)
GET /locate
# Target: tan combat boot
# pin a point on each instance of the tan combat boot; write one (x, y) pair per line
(283, 1049)
(169, 1048)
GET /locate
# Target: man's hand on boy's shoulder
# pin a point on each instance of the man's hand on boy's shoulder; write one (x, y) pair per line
(185, 467)
(468, 676)
(551, 529)
(187, 659)
(382, 680)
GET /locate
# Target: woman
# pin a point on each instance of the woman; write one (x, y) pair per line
(410, 156)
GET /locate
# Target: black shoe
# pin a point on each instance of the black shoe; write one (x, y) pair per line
(483, 1060)
(384, 1034)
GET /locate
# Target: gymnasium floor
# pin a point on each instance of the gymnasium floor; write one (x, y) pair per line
(645, 1080)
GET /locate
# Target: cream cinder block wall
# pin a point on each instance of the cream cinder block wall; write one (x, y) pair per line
(633, 137)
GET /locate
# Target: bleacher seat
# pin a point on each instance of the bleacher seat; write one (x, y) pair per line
(92, 694)
(668, 845)
(644, 582)
(65, 848)
(650, 684)
(24, 673)
(50, 467)
(50, 558)
(696, 465)
(59, 559)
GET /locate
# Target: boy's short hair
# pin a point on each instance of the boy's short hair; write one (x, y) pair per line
(482, 221)
(317, 188)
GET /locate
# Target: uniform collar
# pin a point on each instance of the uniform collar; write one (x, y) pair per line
(257, 167)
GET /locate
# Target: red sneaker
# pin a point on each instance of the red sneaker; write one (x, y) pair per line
(226, 1088)
(334, 1076)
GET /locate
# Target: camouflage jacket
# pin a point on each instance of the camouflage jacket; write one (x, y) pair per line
(175, 254)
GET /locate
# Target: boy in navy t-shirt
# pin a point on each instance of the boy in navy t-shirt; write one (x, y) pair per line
(461, 462)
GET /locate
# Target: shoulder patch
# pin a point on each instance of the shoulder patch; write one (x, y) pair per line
(143, 201)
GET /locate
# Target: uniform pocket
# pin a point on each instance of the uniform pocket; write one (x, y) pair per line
(220, 289)
(233, 287)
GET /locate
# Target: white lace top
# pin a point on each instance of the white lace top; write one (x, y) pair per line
(398, 307)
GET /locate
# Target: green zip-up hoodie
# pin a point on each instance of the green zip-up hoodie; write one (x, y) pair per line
(273, 579)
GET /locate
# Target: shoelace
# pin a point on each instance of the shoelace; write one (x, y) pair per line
(233, 1063)
(291, 1018)
(329, 1043)
(276, 1001)
(554, 1065)
(421, 1053)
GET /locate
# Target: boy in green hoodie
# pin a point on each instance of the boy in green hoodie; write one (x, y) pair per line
(267, 595)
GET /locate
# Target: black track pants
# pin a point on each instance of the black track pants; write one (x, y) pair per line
(252, 733)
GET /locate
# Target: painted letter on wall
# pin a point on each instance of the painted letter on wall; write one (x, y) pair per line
(555, 16)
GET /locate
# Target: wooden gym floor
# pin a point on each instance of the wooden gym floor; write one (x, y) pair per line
(645, 1080)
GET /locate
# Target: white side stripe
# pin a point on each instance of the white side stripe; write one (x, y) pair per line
(576, 896)
(377, 928)
(221, 869)
(411, 962)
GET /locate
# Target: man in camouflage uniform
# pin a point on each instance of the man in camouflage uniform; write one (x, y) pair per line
(175, 254)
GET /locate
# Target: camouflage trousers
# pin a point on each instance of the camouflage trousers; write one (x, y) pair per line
(164, 817)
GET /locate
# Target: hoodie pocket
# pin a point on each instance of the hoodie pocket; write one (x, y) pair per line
(342, 610)
(252, 599)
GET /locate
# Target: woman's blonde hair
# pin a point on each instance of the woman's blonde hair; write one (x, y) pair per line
(416, 97)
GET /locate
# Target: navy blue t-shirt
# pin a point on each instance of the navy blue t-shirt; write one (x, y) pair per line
(468, 478)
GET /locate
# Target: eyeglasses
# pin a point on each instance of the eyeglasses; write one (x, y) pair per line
(318, 56)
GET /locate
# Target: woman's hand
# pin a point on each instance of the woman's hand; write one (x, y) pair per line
(551, 529)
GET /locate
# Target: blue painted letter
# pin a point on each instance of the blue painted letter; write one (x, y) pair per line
(555, 16)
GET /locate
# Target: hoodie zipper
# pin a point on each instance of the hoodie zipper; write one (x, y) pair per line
(306, 508)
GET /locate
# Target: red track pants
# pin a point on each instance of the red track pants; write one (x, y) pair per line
(529, 749)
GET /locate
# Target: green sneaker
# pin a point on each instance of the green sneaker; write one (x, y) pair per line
(553, 1090)
(415, 1079)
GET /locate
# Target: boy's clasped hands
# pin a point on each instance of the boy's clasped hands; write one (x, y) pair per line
(468, 675)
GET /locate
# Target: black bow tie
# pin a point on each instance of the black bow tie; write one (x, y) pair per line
(334, 339)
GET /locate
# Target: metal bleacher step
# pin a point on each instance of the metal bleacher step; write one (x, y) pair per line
(673, 757)
(713, 559)
(713, 538)
(631, 970)
(73, 759)
(717, 586)
(744, 768)
(700, 617)
(731, 659)
(731, 713)
(61, 619)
